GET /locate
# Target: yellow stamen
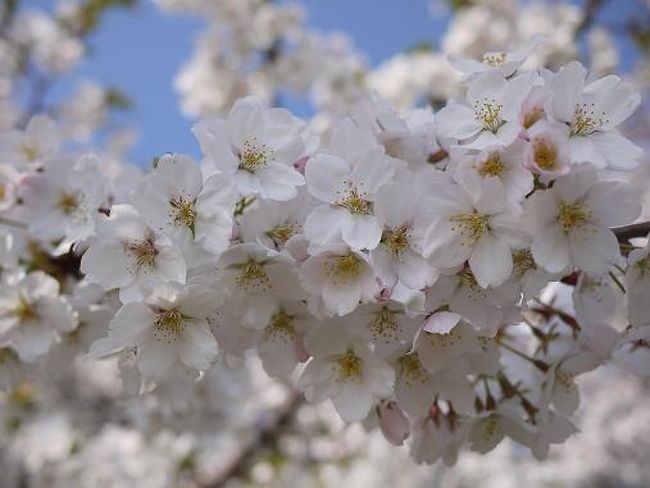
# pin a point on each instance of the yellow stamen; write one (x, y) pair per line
(397, 240)
(586, 121)
(493, 166)
(25, 311)
(183, 212)
(350, 366)
(572, 216)
(280, 328)
(30, 152)
(472, 226)
(345, 268)
(281, 233)
(494, 59)
(253, 156)
(544, 154)
(522, 261)
(355, 201)
(252, 275)
(168, 325)
(143, 253)
(488, 112)
(67, 203)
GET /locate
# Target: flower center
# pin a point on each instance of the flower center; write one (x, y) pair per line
(355, 201)
(25, 311)
(533, 115)
(522, 261)
(252, 275)
(412, 370)
(346, 268)
(349, 365)
(281, 233)
(494, 59)
(168, 325)
(572, 215)
(280, 327)
(384, 324)
(30, 152)
(472, 226)
(586, 121)
(488, 112)
(468, 280)
(544, 154)
(183, 212)
(397, 240)
(491, 428)
(643, 265)
(67, 203)
(143, 253)
(564, 380)
(493, 166)
(253, 156)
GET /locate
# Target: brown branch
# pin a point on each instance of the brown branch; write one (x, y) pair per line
(624, 234)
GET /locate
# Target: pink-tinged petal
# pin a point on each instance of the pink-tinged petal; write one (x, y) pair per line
(441, 322)
(394, 424)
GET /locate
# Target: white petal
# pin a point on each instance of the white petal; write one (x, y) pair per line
(551, 249)
(353, 402)
(361, 231)
(198, 348)
(491, 261)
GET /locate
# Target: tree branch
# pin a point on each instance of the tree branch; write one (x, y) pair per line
(624, 234)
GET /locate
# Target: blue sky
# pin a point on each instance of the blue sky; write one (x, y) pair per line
(141, 50)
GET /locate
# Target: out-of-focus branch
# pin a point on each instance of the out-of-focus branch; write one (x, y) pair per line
(624, 234)
(271, 425)
(590, 12)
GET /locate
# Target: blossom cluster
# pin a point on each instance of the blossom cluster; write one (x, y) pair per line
(400, 265)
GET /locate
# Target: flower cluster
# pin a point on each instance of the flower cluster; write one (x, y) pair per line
(402, 265)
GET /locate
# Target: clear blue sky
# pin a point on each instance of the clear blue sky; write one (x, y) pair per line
(140, 51)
